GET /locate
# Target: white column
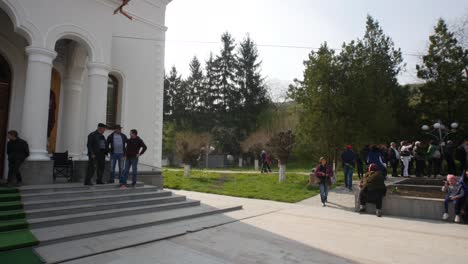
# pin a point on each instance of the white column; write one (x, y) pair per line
(98, 75)
(36, 101)
(72, 116)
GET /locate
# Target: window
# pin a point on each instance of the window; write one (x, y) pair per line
(112, 101)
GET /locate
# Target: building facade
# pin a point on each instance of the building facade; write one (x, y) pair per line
(67, 65)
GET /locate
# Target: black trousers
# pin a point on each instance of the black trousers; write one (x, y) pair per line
(450, 165)
(420, 167)
(434, 167)
(14, 170)
(95, 165)
(266, 167)
(375, 197)
(394, 164)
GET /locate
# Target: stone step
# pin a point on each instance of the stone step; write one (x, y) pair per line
(90, 216)
(79, 230)
(34, 205)
(82, 248)
(85, 193)
(100, 206)
(68, 187)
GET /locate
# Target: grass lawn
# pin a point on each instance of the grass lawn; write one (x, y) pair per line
(256, 185)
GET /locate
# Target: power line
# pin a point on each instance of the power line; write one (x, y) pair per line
(259, 45)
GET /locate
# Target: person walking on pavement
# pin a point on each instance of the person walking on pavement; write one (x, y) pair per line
(264, 157)
(323, 174)
(394, 158)
(135, 148)
(17, 151)
(116, 145)
(348, 158)
(97, 152)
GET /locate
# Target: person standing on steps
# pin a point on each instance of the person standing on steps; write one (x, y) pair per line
(97, 151)
(135, 148)
(323, 174)
(116, 145)
(434, 153)
(394, 158)
(17, 151)
(405, 153)
(348, 158)
(420, 157)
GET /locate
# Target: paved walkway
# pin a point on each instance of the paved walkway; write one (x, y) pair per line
(274, 232)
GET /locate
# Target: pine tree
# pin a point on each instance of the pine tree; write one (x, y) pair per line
(176, 97)
(445, 70)
(226, 72)
(254, 95)
(211, 95)
(194, 89)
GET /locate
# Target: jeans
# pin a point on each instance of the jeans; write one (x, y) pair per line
(348, 174)
(323, 191)
(133, 162)
(116, 158)
(457, 203)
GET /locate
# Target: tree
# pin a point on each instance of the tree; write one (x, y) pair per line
(189, 147)
(445, 70)
(211, 95)
(254, 144)
(194, 105)
(254, 95)
(281, 145)
(168, 143)
(175, 97)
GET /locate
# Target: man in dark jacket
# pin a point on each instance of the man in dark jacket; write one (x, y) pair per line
(461, 156)
(97, 151)
(116, 145)
(348, 157)
(135, 148)
(17, 151)
(449, 151)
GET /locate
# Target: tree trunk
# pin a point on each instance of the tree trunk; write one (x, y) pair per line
(187, 169)
(256, 165)
(282, 172)
(240, 162)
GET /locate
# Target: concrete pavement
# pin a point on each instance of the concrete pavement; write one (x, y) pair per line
(274, 232)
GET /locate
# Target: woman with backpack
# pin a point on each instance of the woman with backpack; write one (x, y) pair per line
(434, 155)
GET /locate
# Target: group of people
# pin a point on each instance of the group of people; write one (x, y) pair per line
(120, 148)
(424, 159)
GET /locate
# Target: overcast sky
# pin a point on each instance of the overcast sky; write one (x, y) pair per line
(195, 27)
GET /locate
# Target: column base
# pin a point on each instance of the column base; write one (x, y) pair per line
(37, 172)
(38, 155)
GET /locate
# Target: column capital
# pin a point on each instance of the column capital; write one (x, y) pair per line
(96, 68)
(36, 54)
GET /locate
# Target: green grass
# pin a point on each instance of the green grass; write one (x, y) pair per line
(258, 186)
(20, 256)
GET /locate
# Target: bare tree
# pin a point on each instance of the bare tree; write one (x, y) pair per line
(254, 144)
(189, 148)
(281, 145)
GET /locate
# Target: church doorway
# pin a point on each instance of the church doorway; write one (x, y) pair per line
(5, 89)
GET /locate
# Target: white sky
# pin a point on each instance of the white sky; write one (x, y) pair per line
(300, 23)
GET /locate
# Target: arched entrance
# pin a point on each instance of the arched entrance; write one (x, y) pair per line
(5, 90)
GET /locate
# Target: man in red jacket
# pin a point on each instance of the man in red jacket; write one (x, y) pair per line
(135, 148)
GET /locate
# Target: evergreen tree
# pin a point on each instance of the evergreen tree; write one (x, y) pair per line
(445, 70)
(194, 89)
(226, 73)
(254, 95)
(176, 97)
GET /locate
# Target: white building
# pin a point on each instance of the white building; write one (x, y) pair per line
(66, 65)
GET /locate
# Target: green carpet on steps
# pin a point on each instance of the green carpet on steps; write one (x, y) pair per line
(6, 190)
(11, 214)
(8, 197)
(20, 256)
(14, 205)
(16, 239)
(10, 225)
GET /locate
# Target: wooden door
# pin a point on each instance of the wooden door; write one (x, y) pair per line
(53, 110)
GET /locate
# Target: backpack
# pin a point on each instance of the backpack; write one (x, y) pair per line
(436, 154)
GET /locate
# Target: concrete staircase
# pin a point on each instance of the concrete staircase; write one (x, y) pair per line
(68, 218)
